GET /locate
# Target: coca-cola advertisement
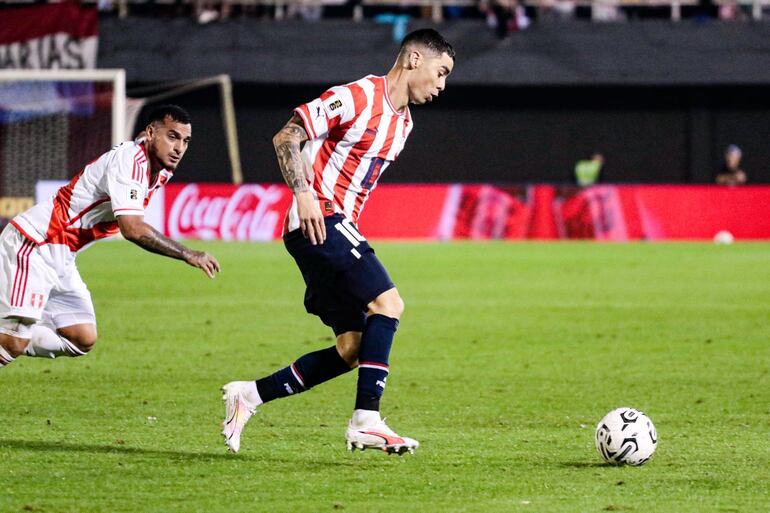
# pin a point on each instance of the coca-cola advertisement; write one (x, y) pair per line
(226, 212)
(482, 211)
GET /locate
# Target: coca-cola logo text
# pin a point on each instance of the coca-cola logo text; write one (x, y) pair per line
(245, 213)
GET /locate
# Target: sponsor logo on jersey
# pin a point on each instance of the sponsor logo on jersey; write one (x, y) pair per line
(333, 106)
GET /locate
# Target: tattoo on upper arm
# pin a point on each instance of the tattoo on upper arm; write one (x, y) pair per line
(288, 143)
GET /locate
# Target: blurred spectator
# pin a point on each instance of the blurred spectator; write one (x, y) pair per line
(556, 10)
(731, 173)
(606, 10)
(731, 11)
(206, 10)
(505, 16)
(588, 172)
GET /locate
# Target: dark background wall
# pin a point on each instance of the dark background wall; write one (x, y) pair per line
(660, 100)
(518, 134)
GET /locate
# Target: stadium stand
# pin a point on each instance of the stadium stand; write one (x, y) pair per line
(753, 9)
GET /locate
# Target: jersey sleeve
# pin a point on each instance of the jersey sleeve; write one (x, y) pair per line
(126, 182)
(333, 108)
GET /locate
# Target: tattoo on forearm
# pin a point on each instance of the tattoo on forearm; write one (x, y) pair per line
(287, 148)
(156, 242)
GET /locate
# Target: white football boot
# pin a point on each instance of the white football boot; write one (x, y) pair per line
(367, 431)
(241, 401)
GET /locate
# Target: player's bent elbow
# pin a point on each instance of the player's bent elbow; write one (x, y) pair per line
(280, 138)
(127, 228)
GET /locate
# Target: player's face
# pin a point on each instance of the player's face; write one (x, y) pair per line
(168, 141)
(429, 78)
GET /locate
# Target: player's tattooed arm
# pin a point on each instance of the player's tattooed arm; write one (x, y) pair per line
(134, 228)
(288, 144)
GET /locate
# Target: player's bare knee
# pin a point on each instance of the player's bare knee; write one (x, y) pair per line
(389, 304)
(85, 344)
(81, 336)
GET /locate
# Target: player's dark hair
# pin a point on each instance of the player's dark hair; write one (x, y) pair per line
(175, 112)
(431, 39)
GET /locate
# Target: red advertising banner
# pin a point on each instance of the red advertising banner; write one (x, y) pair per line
(225, 211)
(662, 212)
(50, 36)
(455, 211)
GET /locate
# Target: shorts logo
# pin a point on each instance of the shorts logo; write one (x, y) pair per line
(133, 194)
(36, 300)
(333, 106)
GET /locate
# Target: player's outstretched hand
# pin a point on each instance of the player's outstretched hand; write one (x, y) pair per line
(203, 260)
(311, 220)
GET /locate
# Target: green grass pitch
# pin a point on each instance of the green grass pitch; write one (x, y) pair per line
(506, 358)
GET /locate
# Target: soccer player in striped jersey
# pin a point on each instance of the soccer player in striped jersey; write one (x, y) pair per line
(331, 153)
(45, 307)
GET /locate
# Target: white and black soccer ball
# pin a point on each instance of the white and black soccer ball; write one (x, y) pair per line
(626, 436)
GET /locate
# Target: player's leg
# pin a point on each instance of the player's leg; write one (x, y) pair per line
(23, 290)
(50, 342)
(319, 268)
(68, 326)
(377, 340)
(14, 338)
(369, 282)
(243, 397)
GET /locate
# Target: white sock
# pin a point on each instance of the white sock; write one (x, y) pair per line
(5, 357)
(251, 394)
(45, 342)
(365, 417)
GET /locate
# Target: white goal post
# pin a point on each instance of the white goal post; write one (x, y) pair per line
(54, 121)
(116, 76)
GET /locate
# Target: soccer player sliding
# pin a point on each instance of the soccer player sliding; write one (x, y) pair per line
(331, 153)
(45, 307)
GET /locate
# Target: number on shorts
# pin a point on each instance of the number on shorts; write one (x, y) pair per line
(350, 232)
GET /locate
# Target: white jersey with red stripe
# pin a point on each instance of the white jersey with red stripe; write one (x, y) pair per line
(355, 134)
(86, 209)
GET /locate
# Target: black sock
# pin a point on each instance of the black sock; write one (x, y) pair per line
(373, 360)
(306, 372)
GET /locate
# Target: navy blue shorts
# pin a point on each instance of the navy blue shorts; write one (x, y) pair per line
(343, 275)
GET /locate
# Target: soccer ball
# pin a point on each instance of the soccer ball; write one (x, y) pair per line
(626, 436)
(724, 237)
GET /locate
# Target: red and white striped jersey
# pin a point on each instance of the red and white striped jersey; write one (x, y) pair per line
(85, 210)
(355, 133)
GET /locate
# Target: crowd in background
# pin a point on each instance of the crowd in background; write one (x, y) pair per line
(502, 16)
